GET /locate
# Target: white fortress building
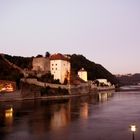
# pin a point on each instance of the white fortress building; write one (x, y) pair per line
(60, 67)
(83, 74)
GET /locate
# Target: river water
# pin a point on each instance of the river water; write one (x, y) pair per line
(105, 116)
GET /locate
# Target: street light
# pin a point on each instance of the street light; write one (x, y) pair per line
(133, 130)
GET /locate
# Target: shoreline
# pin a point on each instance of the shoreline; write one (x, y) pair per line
(59, 97)
(46, 97)
(106, 88)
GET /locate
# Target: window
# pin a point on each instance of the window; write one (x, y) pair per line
(56, 68)
(52, 68)
(56, 64)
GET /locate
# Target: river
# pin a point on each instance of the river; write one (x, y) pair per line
(105, 116)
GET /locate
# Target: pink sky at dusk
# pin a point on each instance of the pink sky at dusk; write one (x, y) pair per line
(105, 31)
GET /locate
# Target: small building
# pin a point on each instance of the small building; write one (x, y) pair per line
(83, 74)
(41, 64)
(103, 82)
(60, 67)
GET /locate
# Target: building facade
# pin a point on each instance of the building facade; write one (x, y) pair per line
(103, 82)
(83, 74)
(60, 67)
(41, 64)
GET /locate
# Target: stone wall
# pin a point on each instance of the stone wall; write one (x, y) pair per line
(41, 64)
(72, 89)
(42, 84)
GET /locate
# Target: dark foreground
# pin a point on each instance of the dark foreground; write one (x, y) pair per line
(106, 116)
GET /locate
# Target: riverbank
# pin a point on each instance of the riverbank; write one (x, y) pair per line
(105, 88)
(16, 96)
(30, 91)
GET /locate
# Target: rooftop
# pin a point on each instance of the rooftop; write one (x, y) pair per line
(58, 56)
(82, 69)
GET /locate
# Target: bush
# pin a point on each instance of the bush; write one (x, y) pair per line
(45, 91)
(48, 78)
(53, 91)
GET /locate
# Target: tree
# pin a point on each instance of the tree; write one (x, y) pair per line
(47, 54)
(39, 55)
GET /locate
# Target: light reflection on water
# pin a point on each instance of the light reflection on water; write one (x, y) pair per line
(9, 116)
(101, 116)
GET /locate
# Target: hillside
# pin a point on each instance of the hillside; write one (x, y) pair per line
(7, 72)
(22, 62)
(129, 80)
(94, 70)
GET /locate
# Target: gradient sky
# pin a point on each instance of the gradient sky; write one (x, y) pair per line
(104, 31)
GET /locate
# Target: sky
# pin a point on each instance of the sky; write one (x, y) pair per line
(104, 31)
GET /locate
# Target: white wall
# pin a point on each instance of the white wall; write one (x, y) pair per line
(104, 81)
(60, 69)
(83, 75)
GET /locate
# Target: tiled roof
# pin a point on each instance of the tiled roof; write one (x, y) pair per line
(58, 56)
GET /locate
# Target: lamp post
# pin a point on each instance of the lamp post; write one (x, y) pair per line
(133, 130)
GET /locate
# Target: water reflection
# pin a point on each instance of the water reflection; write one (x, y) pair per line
(38, 117)
(84, 111)
(9, 116)
(61, 117)
(104, 96)
(45, 116)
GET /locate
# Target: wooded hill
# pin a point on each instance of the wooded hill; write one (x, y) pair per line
(129, 80)
(22, 62)
(7, 72)
(94, 70)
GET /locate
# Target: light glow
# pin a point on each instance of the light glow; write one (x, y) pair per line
(133, 128)
(9, 113)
